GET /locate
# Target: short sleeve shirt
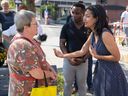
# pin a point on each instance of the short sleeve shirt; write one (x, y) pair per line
(125, 16)
(7, 19)
(74, 37)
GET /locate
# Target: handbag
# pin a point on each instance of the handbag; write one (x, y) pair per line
(45, 90)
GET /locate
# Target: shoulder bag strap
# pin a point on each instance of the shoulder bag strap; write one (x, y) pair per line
(45, 81)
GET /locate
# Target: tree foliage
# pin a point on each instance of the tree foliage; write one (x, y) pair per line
(12, 4)
(52, 9)
(29, 4)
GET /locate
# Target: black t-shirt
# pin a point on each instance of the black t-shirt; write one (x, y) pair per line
(75, 38)
(7, 19)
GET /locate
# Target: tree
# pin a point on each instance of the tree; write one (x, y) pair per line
(29, 4)
(52, 9)
(12, 4)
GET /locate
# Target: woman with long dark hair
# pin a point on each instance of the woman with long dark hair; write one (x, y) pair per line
(109, 79)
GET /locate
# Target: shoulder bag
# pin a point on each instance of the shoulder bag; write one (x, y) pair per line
(45, 90)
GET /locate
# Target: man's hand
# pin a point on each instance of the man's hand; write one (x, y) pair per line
(58, 53)
(72, 61)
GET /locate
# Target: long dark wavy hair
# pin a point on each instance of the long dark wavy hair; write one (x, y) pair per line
(102, 19)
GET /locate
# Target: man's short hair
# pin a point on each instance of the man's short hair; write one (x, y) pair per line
(81, 5)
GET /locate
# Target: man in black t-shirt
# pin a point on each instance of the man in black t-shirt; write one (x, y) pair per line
(73, 36)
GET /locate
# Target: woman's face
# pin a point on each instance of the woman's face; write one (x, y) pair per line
(89, 19)
(31, 31)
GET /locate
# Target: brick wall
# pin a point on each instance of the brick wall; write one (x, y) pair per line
(114, 8)
(114, 15)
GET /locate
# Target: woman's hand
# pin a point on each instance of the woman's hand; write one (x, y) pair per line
(53, 74)
(50, 74)
(38, 74)
(93, 52)
(58, 53)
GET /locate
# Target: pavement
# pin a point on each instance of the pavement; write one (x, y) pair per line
(53, 32)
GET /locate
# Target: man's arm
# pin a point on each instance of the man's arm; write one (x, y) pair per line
(63, 40)
(63, 43)
(122, 20)
(63, 46)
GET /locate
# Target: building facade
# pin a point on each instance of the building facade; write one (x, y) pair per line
(114, 8)
(64, 5)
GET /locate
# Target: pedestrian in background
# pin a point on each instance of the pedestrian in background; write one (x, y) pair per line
(25, 58)
(72, 37)
(109, 79)
(124, 25)
(6, 15)
(6, 20)
(8, 34)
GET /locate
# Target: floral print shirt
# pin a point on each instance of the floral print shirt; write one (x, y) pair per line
(22, 57)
